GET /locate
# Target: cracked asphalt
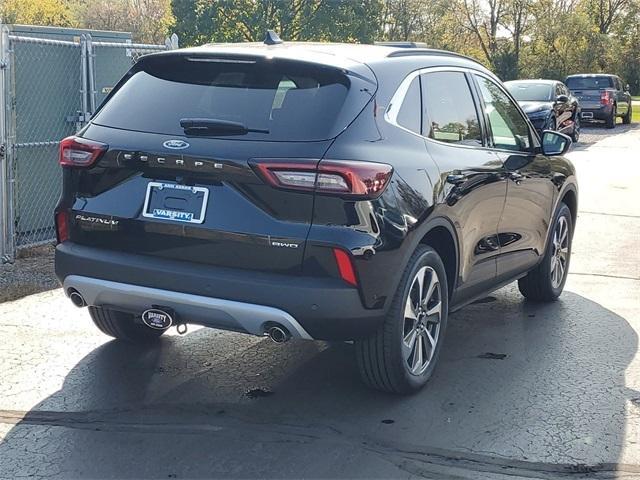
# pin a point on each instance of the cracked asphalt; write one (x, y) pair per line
(522, 390)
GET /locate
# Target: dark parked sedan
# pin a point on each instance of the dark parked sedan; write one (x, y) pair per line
(548, 104)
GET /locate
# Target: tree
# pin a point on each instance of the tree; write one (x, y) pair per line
(627, 60)
(401, 19)
(605, 12)
(482, 19)
(515, 21)
(37, 12)
(429, 21)
(148, 20)
(248, 20)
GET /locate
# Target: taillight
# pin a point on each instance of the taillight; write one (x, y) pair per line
(345, 266)
(606, 98)
(62, 225)
(80, 152)
(366, 180)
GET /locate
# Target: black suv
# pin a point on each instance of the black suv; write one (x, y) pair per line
(602, 97)
(548, 104)
(314, 191)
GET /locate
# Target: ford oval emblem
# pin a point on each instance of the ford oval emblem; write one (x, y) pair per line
(176, 144)
(157, 319)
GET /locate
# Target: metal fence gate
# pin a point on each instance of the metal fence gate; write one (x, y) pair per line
(48, 90)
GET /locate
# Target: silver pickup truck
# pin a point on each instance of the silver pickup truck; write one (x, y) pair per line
(602, 97)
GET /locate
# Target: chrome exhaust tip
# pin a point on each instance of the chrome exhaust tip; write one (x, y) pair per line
(77, 299)
(278, 334)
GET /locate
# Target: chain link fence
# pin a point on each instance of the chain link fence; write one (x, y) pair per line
(48, 90)
(47, 101)
(108, 61)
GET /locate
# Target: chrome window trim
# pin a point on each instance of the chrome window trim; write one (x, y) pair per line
(392, 111)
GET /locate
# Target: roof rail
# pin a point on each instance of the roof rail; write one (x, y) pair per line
(428, 51)
(402, 44)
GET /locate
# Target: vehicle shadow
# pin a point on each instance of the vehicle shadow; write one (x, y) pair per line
(519, 385)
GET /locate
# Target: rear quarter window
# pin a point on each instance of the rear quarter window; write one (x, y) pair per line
(410, 113)
(287, 101)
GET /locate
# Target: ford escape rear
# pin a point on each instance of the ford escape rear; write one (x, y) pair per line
(315, 191)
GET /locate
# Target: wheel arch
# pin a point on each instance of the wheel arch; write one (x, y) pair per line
(440, 234)
(441, 237)
(570, 198)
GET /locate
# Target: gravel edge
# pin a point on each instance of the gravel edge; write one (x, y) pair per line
(32, 272)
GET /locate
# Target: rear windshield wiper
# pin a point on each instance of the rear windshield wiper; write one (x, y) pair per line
(204, 126)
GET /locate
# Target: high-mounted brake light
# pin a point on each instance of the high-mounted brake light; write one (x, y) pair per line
(345, 178)
(80, 152)
(606, 98)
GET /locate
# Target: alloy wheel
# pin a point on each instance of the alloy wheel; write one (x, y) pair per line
(422, 320)
(560, 252)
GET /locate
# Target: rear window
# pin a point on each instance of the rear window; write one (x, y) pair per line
(283, 100)
(589, 83)
(530, 92)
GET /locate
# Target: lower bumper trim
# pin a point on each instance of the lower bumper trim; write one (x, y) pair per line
(197, 309)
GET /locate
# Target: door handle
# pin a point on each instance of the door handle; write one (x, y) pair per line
(456, 178)
(516, 177)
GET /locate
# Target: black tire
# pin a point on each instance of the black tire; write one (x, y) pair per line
(611, 121)
(627, 118)
(123, 326)
(381, 357)
(539, 284)
(575, 133)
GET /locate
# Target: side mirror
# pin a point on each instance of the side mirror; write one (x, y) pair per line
(562, 99)
(555, 143)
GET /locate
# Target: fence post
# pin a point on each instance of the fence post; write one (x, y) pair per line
(84, 92)
(171, 42)
(7, 238)
(91, 75)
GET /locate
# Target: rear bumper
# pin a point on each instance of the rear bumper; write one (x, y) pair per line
(237, 316)
(600, 113)
(323, 308)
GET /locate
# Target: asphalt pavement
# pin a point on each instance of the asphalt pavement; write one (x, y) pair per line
(522, 390)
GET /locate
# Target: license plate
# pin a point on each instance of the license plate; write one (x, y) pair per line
(587, 114)
(178, 203)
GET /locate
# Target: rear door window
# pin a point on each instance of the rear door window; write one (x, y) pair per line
(282, 100)
(449, 112)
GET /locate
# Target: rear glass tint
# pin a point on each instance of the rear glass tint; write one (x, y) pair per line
(290, 100)
(530, 92)
(589, 83)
